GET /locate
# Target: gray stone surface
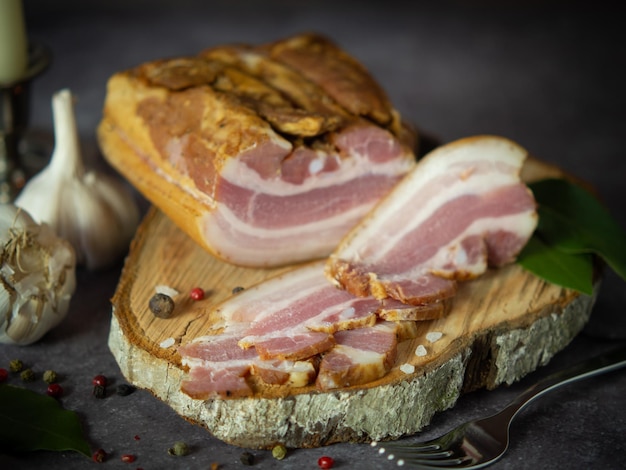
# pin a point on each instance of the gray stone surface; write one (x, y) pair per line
(546, 74)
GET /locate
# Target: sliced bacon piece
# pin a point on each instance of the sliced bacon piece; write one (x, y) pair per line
(361, 356)
(394, 310)
(294, 374)
(259, 158)
(217, 367)
(205, 381)
(462, 209)
(292, 345)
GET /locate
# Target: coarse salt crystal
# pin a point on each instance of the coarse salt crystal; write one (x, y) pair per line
(167, 290)
(421, 350)
(434, 336)
(407, 368)
(315, 166)
(166, 343)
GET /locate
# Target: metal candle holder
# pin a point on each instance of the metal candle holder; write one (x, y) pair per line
(14, 116)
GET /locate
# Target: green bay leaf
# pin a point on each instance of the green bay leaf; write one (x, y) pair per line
(31, 421)
(572, 220)
(572, 271)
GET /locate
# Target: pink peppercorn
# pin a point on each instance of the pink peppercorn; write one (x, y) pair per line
(197, 293)
(3, 374)
(128, 458)
(54, 390)
(325, 462)
(100, 380)
(99, 456)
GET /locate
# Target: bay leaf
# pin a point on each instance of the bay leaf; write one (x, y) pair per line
(572, 271)
(32, 421)
(572, 220)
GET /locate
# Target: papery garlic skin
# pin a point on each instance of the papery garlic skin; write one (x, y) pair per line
(37, 277)
(95, 212)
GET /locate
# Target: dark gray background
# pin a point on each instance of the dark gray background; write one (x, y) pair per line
(549, 75)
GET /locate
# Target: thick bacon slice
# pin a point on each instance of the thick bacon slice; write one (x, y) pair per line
(264, 155)
(462, 209)
(360, 356)
(219, 367)
(294, 374)
(394, 310)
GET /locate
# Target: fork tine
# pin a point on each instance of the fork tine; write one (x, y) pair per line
(416, 453)
(419, 447)
(426, 455)
(434, 464)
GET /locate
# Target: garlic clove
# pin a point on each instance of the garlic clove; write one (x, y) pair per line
(24, 326)
(122, 219)
(98, 227)
(119, 198)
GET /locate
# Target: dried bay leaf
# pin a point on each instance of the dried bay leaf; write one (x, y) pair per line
(31, 421)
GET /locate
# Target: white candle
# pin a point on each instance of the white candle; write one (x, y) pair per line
(13, 43)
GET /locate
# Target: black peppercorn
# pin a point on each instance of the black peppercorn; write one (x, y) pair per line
(125, 389)
(161, 305)
(99, 391)
(247, 458)
(237, 289)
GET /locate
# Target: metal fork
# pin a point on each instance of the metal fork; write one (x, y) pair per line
(481, 442)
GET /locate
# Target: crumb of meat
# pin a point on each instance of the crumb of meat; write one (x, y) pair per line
(421, 350)
(407, 368)
(434, 336)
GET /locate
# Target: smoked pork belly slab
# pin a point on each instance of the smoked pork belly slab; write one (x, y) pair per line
(279, 329)
(264, 155)
(461, 210)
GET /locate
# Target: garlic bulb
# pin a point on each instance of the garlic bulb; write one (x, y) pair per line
(93, 211)
(37, 277)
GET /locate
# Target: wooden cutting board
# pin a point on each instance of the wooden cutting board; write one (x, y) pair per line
(501, 327)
